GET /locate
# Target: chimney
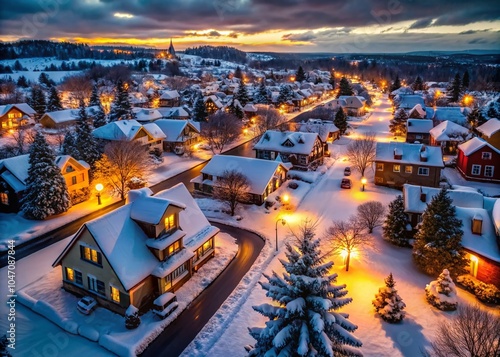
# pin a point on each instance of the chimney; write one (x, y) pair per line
(423, 154)
(423, 196)
(477, 224)
(398, 154)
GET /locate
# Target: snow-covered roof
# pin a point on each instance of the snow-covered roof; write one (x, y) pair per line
(154, 130)
(151, 209)
(163, 299)
(173, 112)
(257, 171)
(126, 130)
(443, 130)
(473, 145)
(353, 101)
(419, 110)
(321, 128)
(454, 114)
(214, 99)
(410, 101)
(489, 128)
(495, 213)
(173, 129)
(169, 94)
(249, 108)
(335, 103)
(298, 142)
(402, 90)
(146, 114)
(23, 107)
(163, 242)
(68, 115)
(411, 153)
(419, 125)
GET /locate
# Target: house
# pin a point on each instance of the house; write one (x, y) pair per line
(326, 130)
(300, 149)
(14, 115)
(456, 115)
(477, 160)
(448, 135)
(335, 104)
(146, 115)
(400, 163)
(62, 118)
(355, 105)
(137, 99)
(264, 176)
(212, 104)
(250, 110)
(178, 134)
(14, 173)
(417, 131)
(490, 131)
(409, 101)
(417, 112)
(170, 98)
(480, 218)
(149, 135)
(133, 254)
(174, 113)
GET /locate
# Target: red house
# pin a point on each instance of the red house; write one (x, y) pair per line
(477, 160)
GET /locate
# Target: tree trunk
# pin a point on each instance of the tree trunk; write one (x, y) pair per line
(348, 258)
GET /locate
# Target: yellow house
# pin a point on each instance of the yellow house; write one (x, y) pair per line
(14, 115)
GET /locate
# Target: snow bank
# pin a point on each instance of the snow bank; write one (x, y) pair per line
(109, 343)
(26, 300)
(48, 311)
(89, 332)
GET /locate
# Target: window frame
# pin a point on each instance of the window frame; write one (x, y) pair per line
(91, 254)
(4, 198)
(380, 166)
(486, 167)
(421, 171)
(408, 167)
(396, 168)
(473, 172)
(113, 289)
(486, 155)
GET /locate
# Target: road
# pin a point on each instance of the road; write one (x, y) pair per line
(175, 338)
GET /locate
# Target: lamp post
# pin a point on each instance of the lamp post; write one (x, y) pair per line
(363, 182)
(283, 222)
(99, 188)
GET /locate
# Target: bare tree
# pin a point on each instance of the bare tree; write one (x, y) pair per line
(220, 130)
(346, 237)
(23, 136)
(120, 164)
(177, 82)
(361, 152)
(79, 87)
(232, 188)
(371, 214)
(473, 332)
(268, 118)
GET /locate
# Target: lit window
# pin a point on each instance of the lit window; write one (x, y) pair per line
(486, 155)
(380, 167)
(73, 180)
(396, 168)
(476, 170)
(4, 198)
(488, 171)
(169, 222)
(408, 169)
(207, 245)
(70, 274)
(173, 248)
(423, 171)
(90, 255)
(115, 294)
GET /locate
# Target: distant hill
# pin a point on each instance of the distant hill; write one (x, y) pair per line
(225, 53)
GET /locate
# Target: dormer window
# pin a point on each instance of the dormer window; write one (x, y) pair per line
(70, 168)
(169, 222)
(486, 155)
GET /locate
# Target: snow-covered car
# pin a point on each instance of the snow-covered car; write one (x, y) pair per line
(347, 171)
(345, 183)
(86, 304)
(165, 304)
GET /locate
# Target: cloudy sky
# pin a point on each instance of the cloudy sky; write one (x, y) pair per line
(345, 26)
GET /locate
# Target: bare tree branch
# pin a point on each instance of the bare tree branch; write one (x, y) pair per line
(232, 188)
(221, 129)
(361, 152)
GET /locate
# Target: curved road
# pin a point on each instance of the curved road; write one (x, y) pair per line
(177, 336)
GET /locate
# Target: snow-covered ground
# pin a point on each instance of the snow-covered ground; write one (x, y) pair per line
(326, 201)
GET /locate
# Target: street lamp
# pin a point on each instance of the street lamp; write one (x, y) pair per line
(283, 222)
(99, 188)
(363, 182)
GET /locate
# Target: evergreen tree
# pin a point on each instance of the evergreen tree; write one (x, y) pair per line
(332, 80)
(304, 321)
(285, 94)
(46, 190)
(397, 125)
(455, 89)
(37, 101)
(242, 94)
(442, 292)
(43, 79)
(301, 75)
(476, 118)
(100, 117)
(418, 84)
(396, 223)
(22, 82)
(94, 97)
(54, 102)
(344, 87)
(121, 108)
(396, 84)
(388, 303)
(69, 145)
(238, 73)
(236, 110)
(340, 121)
(199, 110)
(465, 79)
(438, 242)
(86, 145)
(261, 97)
(132, 319)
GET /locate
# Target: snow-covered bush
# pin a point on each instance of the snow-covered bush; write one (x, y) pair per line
(132, 319)
(293, 185)
(442, 292)
(487, 293)
(79, 196)
(388, 303)
(396, 224)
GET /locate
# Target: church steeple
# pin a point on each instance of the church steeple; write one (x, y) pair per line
(171, 49)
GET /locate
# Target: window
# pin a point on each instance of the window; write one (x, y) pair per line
(78, 277)
(115, 294)
(488, 170)
(476, 170)
(4, 198)
(408, 169)
(173, 248)
(179, 271)
(73, 180)
(91, 255)
(70, 168)
(207, 245)
(486, 155)
(396, 168)
(423, 171)
(302, 160)
(70, 274)
(418, 136)
(168, 283)
(379, 180)
(95, 285)
(380, 167)
(169, 222)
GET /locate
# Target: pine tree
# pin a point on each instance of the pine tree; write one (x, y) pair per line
(388, 304)
(340, 121)
(94, 97)
(397, 125)
(396, 223)
(69, 145)
(99, 117)
(304, 319)
(43, 79)
(261, 97)
(418, 84)
(54, 102)
(344, 87)
(476, 118)
(236, 110)
(121, 108)
(455, 89)
(238, 73)
(465, 79)
(442, 292)
(242, 94)
(22, 82)
(332, 80)
(46, 190)
(285, 94)
(199, 110)
(438, 242)
(396, 84)
(37, 101)
(86, 145)
(301, 75)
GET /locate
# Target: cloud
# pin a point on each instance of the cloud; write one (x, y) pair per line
(472, 32)
(420, 24)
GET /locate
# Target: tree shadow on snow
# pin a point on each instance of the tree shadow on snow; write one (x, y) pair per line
(407, 337)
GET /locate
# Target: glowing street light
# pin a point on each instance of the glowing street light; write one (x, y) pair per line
(286, 198)
(363, 182)
(283, 222)
(99, 188)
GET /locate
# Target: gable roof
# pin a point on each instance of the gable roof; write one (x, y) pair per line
(169, 94)
(321, 128)
(146, 114)
(23, 107)
(454, 114)
(473, 145)
(126, 130)
(354, 101)
(409, 101)
(151, 209)
(411, 153)
(301, 143)
(419, 125)
(68, 115)
(173, 128)
(419, 110)
(443, 130)
(171, 112)
(489, 128)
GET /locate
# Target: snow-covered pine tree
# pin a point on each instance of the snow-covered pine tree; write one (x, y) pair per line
(396, 84)
(261, 96)
(69, 144)
(121, 108)
(238, 73)
(442, 292)
(235, 109)
(242, 94)
(418, 84)
(396, 224)
(344, 87)
(285, 94)
(388, 303)
(397, 125)
(99, 117)
(340, 121)
(301, 75)
(54, 102)
(87, 146)
(37, 101)
(94, 97)
(455, 89)
(465, 79)
(305, 321)
(199, 110)
(438, 242)
(46, 190)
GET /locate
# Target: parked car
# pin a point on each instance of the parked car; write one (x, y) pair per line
(165, 304)
(345, 183)
(347, 171)
(86, 304)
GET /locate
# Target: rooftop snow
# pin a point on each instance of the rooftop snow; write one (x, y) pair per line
(126, 130)
(62, 116)
(411, 153)
(454, 114)
(419, 125)
(147, 114)
(301, 143)
(23, 107)
(443, 130)
(489, 128)
(474, 144)
(173, 129)
(164, 241)
(410, 101)
(169, 94)
(151, 209)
